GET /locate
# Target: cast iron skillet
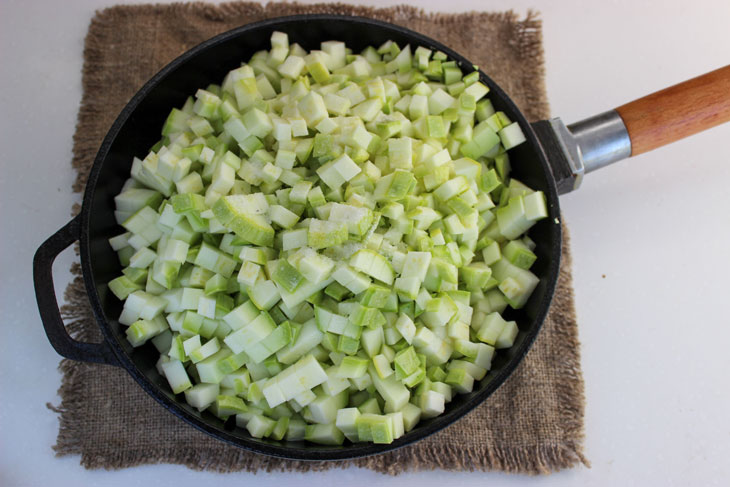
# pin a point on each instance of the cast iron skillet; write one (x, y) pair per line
(137, 129)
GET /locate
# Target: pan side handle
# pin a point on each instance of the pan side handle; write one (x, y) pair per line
(55, 329)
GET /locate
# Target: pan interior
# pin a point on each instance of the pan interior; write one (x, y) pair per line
(138, 128)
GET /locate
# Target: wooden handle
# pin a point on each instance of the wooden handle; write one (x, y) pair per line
(678, 111)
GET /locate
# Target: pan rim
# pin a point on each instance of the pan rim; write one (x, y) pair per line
(311, 452)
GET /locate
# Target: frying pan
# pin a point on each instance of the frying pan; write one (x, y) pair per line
(554, 159)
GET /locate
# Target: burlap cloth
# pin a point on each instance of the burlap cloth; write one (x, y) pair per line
(532, 424)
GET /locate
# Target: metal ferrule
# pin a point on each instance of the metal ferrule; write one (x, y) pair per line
(602, 140)
(593, 143)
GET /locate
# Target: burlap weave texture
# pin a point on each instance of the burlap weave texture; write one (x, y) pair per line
(532, 424)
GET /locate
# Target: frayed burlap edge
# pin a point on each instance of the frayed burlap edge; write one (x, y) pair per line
(532, 459)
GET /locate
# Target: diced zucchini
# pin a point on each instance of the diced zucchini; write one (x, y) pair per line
(365, 202)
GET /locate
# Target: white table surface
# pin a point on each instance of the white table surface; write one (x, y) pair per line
(650, 249)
